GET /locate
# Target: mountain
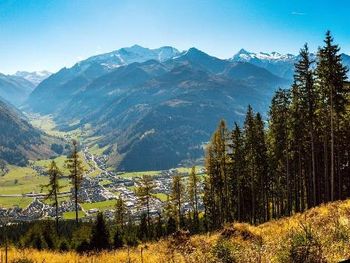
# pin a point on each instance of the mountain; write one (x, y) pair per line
(19, 140)
(15, 89)
(34, 77)
(157, 113)
(276, 63)
(55, 91)
(281, 65)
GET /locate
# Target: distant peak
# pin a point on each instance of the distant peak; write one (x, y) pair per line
(195, 52)
(243, 51)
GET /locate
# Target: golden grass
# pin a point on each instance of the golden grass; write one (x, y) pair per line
(330, 225)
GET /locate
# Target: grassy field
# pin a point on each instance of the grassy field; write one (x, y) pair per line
(20, 180)
(161, 196)
(320, 234)
(9, 202)
(108, 204)
(71, 215)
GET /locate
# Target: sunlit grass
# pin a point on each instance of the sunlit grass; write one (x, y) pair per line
(268, 242)
(108, 204)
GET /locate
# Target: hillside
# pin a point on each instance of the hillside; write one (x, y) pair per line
(19, 140)
(320, 234)
(154, 114)
(15, 89)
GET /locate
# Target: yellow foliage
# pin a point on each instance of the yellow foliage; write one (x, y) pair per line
(329, 224)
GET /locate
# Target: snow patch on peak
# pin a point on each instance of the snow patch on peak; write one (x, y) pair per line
(244, 55)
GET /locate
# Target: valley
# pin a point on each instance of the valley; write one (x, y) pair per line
(23, 189)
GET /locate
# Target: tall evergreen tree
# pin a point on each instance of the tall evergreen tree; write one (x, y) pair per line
(177, 197)
(331, 76)
(193, 193)
(144, 193)
(54, 187)
(76, 171)
(100, 234)
(120, 212)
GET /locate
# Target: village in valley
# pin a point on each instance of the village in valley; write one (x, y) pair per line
(99, 186)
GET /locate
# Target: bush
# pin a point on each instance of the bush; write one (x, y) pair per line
(303, 247)
(223, 251)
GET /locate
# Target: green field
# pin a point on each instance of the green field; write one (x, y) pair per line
(108, 204)
(22, 180)
(139, 174)
(9, 202)
(71, 215)
(161, 196)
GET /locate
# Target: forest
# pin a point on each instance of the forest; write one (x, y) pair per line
(295, 160)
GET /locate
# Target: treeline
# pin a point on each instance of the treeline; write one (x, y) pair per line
(298, 160)
(121, 230)
(261, 170)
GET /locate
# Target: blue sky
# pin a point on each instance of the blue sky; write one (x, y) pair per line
(51, 34)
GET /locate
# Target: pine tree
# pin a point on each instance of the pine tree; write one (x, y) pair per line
(100, 234)
(54, 187)
(177, 196)
(118, 240)
(193, 193)
(304, 82)
(331, 76)
(120, 212)
(76, 171)
(144, 194)
(237, 171)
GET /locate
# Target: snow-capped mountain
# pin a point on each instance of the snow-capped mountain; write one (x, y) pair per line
(244, 55)
(34, 77)
(128, 55)
(280, 64)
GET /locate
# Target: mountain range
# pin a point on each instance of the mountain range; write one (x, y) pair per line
(153, 111)
(155, 108)
(34, 77)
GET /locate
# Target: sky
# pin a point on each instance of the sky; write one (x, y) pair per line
(51, 34)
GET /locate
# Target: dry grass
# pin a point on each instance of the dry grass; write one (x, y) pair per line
(269, 242)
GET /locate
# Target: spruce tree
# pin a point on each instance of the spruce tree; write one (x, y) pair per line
(331, 76)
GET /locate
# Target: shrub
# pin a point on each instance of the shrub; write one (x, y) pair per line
(303, 247)
(223, 251)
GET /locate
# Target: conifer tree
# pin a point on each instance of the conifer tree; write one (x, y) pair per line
(193, 193)
(54, 187)
(76, 171)
(144, 194)
(331, 76)
(177, 196)
(100, 234)
(120, 212)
